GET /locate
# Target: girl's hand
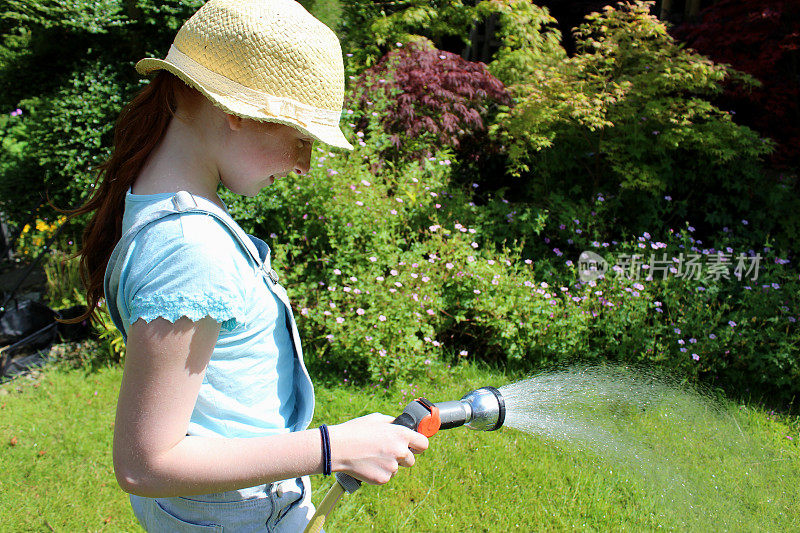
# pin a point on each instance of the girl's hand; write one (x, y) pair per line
(371, 448)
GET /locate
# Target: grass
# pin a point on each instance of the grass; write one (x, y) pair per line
(58, 475)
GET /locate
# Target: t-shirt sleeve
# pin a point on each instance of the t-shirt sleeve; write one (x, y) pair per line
(187, 265)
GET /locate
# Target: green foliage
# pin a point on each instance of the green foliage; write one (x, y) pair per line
(530, 43)
(369, 29)
(632, 114)
(69, 135)
(351, 239)
(68, 66)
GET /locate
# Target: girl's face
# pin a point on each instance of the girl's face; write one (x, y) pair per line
(254, 154)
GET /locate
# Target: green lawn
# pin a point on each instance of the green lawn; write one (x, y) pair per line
(741, 471)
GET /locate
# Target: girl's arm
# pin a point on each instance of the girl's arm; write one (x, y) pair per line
(153, 456)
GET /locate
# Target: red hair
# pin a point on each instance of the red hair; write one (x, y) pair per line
(140, 128)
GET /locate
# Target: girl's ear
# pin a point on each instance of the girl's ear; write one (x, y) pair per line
(234, 122)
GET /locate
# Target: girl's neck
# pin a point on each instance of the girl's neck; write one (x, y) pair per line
(182, 161)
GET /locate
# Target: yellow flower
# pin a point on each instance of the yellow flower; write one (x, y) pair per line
(41, 225)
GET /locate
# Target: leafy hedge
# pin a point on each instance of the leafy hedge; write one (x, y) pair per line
(68, 68)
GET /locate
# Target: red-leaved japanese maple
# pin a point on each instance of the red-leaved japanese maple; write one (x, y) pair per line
(762, 39)
(430, 91)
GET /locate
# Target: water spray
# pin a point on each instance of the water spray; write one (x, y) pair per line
(483, 409)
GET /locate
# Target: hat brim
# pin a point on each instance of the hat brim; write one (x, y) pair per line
(330, 135)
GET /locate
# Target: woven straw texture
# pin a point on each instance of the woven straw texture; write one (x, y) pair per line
(268, 60)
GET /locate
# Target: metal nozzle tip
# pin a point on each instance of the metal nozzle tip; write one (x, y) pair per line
(488, 409)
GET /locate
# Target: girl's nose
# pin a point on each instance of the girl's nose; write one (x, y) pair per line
(303, 163)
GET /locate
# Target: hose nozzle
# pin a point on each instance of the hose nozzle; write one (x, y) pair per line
(483, 409)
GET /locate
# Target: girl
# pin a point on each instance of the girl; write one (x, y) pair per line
(215, 399)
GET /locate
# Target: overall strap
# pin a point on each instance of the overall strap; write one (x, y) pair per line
(182, 202)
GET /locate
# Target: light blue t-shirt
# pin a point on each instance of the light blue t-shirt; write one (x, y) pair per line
(189, 264)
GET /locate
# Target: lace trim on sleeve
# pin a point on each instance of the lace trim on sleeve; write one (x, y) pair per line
(174, 307)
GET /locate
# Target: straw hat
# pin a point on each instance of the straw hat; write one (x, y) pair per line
(268, 60)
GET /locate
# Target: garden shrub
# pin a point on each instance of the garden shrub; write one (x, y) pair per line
(705, 321)
(68, 68)
(368, 30)
(343, 236)
(631, 116)
(432, 98)
(530, 42)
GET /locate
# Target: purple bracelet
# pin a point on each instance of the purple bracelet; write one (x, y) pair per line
(326, 450)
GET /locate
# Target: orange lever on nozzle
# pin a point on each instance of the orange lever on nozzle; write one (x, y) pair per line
(431, 423)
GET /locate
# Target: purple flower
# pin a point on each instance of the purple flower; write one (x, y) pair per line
(712, 336)
(731, 323)
(683, 350)
(677, 331)
(668, 198)
(695, 357)
(776, 286)
(744, 222)
(693, 340)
